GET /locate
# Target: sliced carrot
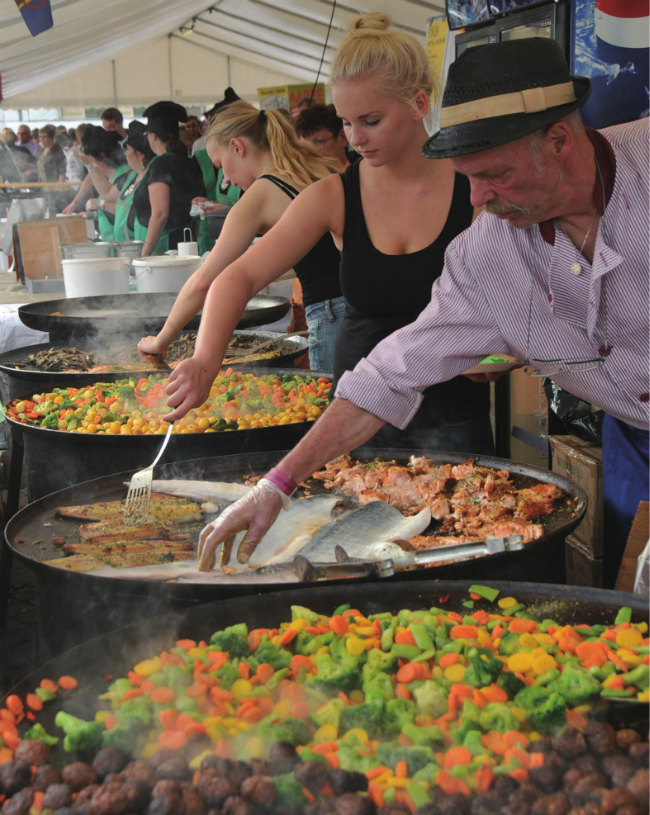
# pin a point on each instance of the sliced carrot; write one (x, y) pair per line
(223, 749)
(495, 693)
(186, 645)
(111, 722)
(132, 693)
(401, 769)
(11, 740)
(162, 695)
(401, 691)
(575, 719)
(68, 683)
(193, 729)
(167, 718)
(375, 771)
(446, 660)
(289, 635)
(299, 661)
(37, 800)
(518, 754)
(513, 738)
(520, 775)
(409, 803)
(7, 716)
(300, 710)
(479, 698)
(474, 596)
(451, 785)
(339, 625)
(567, 644)
(244, 670)
(172, 739)
(47, 684)
(519, 626)
(265, 672)
(493, 740)
(376, 794)
(612, 657)
(254, 640)
(405, 638)
(195, 690)
(252, 715)
(457, 755)
(221, 695)
(34, 702)
(6, 754)
(464, 632)
(14, 704)
(536, 760)
(405, 741)
(333, 760)
(485, 777)
(409, 673)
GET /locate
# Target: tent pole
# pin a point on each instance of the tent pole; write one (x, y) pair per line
(114, 83)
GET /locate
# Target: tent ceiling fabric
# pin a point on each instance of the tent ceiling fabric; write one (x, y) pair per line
(283, 36)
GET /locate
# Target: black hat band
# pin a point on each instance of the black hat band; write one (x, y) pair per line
(531, 100)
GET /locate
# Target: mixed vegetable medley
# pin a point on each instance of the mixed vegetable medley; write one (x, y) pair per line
(237, 401)
(416, 701)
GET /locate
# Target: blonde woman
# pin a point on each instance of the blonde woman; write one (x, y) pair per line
(259, 152)
(393, 215)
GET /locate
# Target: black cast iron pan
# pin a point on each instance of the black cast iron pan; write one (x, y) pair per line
(97, 662)
(128, 314)
(38, 522)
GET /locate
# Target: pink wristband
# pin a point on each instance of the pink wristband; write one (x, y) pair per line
(283, 482)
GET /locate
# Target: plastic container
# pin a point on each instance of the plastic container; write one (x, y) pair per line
(88, 249)
(128, 249)
(163, 273)
(87, 278)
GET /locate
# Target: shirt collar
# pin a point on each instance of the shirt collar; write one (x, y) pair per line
(607, 162)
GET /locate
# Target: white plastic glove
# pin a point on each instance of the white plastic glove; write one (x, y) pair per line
(256, 511)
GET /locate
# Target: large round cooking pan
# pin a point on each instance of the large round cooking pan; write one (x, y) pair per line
(108, 602)
(116, 653)
(15, 382)
(78, 457)
(128, 314)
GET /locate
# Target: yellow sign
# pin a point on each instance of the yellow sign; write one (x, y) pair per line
(436, 40)
(289, 96)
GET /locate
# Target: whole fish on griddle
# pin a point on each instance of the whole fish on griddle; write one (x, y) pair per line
(218, 492)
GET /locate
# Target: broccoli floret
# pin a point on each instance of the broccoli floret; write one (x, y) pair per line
(307, 644)
(377, 685)
(497, 716)
(233, 640)
(431, 699)
(367, 715)
(473, 743)
(125, 737)
(276, 656)
(381, 660)
(37, 731)
(331, 677)
(352, 761)
(340, 653)
(467, 725)
(545, 711)
(329, 713)
(428, 736)
(510, 683)
(288, 791)
(135, 711)
(79, 735)
(397, 713)
(483, 669)
(575, 686)
(51, 421)
(126, 392)
(293, 730)
(416, 756)
(509, 643)
(302, 613)
(227, 674)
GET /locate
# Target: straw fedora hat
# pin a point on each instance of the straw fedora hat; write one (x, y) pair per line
(500, 92)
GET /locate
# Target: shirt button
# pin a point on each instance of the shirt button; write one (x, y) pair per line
(605, 350)
(645, 397)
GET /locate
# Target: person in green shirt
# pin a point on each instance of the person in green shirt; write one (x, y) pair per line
(138, 155)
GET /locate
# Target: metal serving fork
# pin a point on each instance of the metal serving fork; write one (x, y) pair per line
(138, 498)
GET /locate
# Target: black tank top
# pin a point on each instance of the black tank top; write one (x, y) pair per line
(387, 292)
(318, 271)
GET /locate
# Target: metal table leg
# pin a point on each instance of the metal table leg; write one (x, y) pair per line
(11, 507)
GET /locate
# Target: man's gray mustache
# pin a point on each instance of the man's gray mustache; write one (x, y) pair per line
(505, 209)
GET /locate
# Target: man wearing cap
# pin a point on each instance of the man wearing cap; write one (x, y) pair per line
(554, 273)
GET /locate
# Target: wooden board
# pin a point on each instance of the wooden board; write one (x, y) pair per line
(37, 245)
(635, 545)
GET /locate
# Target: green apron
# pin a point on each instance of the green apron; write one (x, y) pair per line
(140, 232)
(212, 187)
(105, 227)
(122, 209)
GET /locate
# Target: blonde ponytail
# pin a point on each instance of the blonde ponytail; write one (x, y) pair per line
(392, 62)
(297, 161)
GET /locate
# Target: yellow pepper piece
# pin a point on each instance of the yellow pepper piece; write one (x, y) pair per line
(436, 672)
(102, 715)
(358, 733)
(543, 663)
(520, 663)
(299, 625)
(400, 783)
(255, 747)
(150, 750)
(362, 621)
(356, 695)
(282, 708)
(195, 763)
(483, 636)
(630, 637)
(241, 687)
(214, 733)
(519, 713)
(366, 631)
(534, 736)
(384, 777)
(642, 627)
(194, 653)
(643, 696)
(148, 666)
(528, 641)
(324, 649)
(242, 726)
(545, 639)
(455, 673)
(583, 708)
(608, 682)
(233, 732)
(629, 658)
(326, 733)
(506, 602)
(355, 646)
(497, 642)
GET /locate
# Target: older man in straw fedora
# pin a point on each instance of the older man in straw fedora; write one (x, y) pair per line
(553, 273)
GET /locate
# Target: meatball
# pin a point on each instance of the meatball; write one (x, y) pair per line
(601, 738)
(325, 807)
(109, 799)
(345, 781)
(78, 775)
(557, 804)
(522, 799)
(640, 753)
(33, 751)
(548, 777)
(19, 803)
(627, 737)
(615, 799)
(540, 746)
(176, 768)
(193, 803)
(165, 805)
(619, 769)
(312, 774)
(282, 757)
(45, 775)
(138, 793)
(393, 808)
(456, 804)
(167, 786)
(630, 809)
(64, 811)
(258, 789)
(140, 771)
(571, 778)
(583, 790)
(258, 766)
(236, 806)
(352, 804)
(235, 771)
(588, 763)
(57, 796)
(504, 786)
(485, 804)
(109, 760)
(159, 757)
(14, 775)
(84, 796)
(215, 788)
(639, 785)
(570, 743)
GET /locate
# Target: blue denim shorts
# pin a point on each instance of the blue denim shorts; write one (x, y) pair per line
(323, 321)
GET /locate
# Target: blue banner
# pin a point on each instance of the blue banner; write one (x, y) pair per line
(37, 15)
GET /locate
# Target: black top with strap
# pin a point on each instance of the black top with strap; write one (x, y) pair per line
(386, 292)
(318, 271)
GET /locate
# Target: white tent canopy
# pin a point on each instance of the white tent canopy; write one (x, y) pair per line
(133, 52)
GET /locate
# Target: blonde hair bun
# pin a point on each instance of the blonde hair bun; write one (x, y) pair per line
(368, 24)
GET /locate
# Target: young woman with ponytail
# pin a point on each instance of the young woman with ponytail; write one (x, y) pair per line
(163, 200)
(260, 153)
(392, 214)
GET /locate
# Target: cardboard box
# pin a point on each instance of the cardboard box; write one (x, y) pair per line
(639, 535)
(581, 568)
(582, 463)
(38, 245)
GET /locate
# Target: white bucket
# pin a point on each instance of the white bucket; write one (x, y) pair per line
(163, 273)
(86, 249)
(86, 278)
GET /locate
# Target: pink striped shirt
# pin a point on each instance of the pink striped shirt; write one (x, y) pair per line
(479, 306)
